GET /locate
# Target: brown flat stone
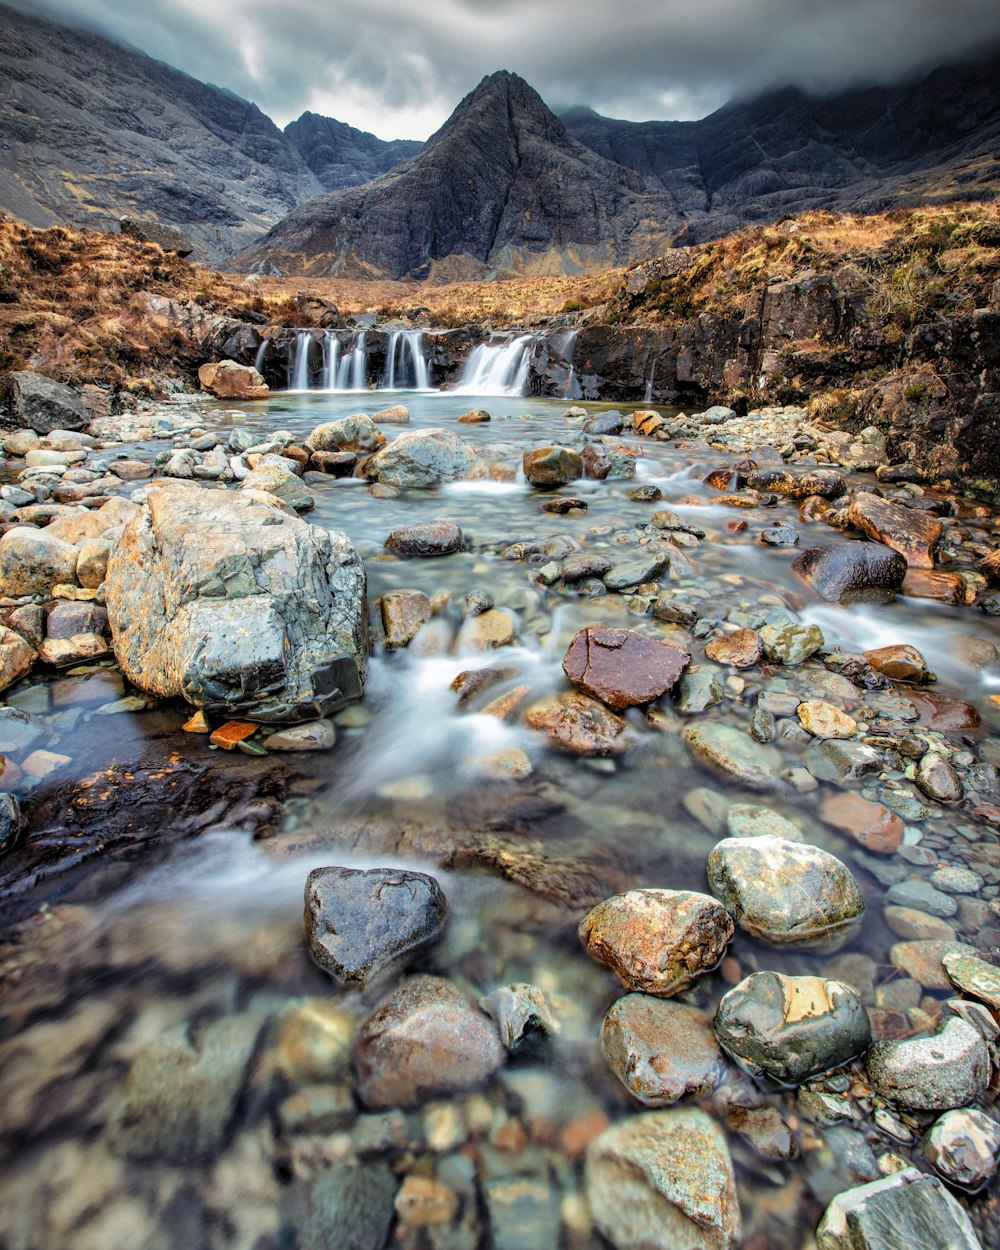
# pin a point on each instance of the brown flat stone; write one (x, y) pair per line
(871, 825)
(622, 668)
(913, 534)
(233, 732)
(577, 725)
(944, 587)
(741, 648)
(938, 711)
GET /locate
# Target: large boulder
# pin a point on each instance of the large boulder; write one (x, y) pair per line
(622, 668)
(146, 230)
(913, 534)
(230, 602)
(32, 561)
(356, 432)
(225, 379)
(852, 572)
(420, 458)
(38, 403)
(908, 1208)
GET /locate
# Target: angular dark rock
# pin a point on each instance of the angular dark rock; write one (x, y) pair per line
(852, 572)
(435, 538)
(622, 668)
(41, 404)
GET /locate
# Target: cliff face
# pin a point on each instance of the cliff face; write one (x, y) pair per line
(341, 156)
(501, 187)
(786, 152)
(91, 130)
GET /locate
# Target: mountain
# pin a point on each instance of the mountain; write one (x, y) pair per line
(502, 186)
(787, 152)
(91, 130)
(341, 156)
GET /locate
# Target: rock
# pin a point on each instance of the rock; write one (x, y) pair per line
(906, 922)
(780, 536)
(661, 1051)
(963, 1147)
(949, 1069)
(182, 1091)
(630, 573)
(237, 607)
(344, 1208)
(32, 561)
(232, 733)
(490, 629)
(622, 668)
(577, 725)
(149, 230)
(899, 663)
(871, 825)
(823, 720)
(403, 613)
(92, 562)
(646, 422)
(696, 692)
(434, 538)
(934, 776)
(274, 479)
(735, 754)
(354, 433)
(17, 657)
(419, 458)
(746, 820)
(334, 463)
(38, 403)
(317, 735)
(657, 941)
(361, 921)
(852, 572)
(902, 1212)
(423, 1201)
(741, 648)
(920, 894)
(792, 1028)
(548, 467)
(397, 414)
(520, 1011)
(12, 822)
(426, 1040)
(664, 1181)
(833, 759)
(583, 565)
(226, 379)
(820, 483)
(608, 423)
(786, 893)
(475, 416)
(524, 1212)
(913, 534)
(62, 652)
(974, 976)
(923, 959)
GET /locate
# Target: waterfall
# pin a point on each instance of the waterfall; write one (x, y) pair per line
(403, 343)
(353, 371)
(258, 360)
(300, 376)
(331, 356)
(572, 386)
(497, 368)
(652, 373)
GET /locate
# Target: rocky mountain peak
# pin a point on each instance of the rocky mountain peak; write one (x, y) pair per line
(504, 102)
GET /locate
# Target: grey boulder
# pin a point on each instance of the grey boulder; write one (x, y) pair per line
(949, 1069)
(230, 602)
(901, 1212)
(38, 403)
(420, 458)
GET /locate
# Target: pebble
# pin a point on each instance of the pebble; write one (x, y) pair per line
(963, 1147)
(661, 1051)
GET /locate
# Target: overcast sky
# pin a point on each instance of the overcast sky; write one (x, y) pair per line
(398, 67)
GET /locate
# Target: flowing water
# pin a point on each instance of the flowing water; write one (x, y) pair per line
(118, 1133)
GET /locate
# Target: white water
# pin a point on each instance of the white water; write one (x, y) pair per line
(353, 368)
(346, 369)
(572, 386)
(649, 382)
(259, 358)
(497, 368)
(331, 358)
(403, 343)
(300, 368)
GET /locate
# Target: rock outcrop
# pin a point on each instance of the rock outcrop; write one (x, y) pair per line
(227, 600)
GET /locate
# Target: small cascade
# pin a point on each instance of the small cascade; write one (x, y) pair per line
(258, 360)
(648, 397)
(497, 368)
(300, 364)
(403, 344)
(572, 390)
(352, 374)
(331, 358)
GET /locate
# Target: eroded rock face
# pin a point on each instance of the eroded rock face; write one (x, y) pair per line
(661, 1051)
(231, 603)
(361, 921)
(657, 941)
(786, 892)
(852, 572)
(622, 668)
(425, 1040)
(664, 1181)
(791, 1028)
(226, 379)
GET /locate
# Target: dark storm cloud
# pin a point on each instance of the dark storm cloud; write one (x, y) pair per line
(398, 67)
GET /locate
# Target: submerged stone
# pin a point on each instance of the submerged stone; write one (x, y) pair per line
(736, 754)
(949, 1069)
(661, 1051)
(520, 1011)
(906, 1210)
(622, 668)
(852, 572)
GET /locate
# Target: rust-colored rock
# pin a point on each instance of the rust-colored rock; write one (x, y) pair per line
(225, 379)
(548, 467)
(900, 663)
(741, 648)
(947, 715)
(475, 416)
(577, 725)
(622, 668)
(657, 941)
(913, 534)
(647, 422)
(871, 825)
(944, 587)
(232, 733)
(403, 613)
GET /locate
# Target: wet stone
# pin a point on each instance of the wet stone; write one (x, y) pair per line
(786, 893)
(316, 735)
(949, 1069)
(938, 780)
(657, 941)
(361, 921)
(899, 663)
(747, 820)
(736, 755)
(823, 720)
(913, 534)
(548, 467)
(974, 976)
(923, 959)
(789, 643)
(344, 1208)
(425, 1041)
(403, 613)
(697, 692)
(661, 1051)
(11, 822)
(741, 649)
(872, 825)
(575, 724)
(963, 1147)
(664, 1180)
(792, 1028)
(837, 760)
(630, 573)
(922, 896)
(524, 1212)
(436, 538)
(906, 1210)
(852, 572)
(520, 1011)
(622, 668)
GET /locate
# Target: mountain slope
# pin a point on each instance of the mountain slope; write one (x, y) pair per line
(341, 156)
(500, 187)
(787, 152)
(90, 130)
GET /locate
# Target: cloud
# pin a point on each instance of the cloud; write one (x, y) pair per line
(398, 68)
